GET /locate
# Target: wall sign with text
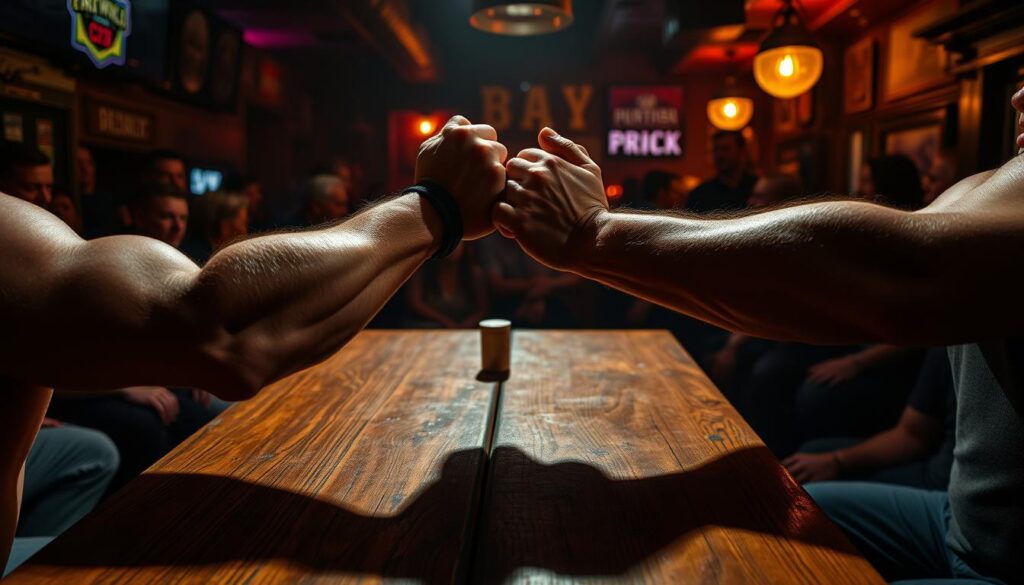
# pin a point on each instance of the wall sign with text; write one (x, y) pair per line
(100, 29)
(645, 121)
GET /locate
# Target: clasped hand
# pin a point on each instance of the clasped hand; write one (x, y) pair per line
(549, 199)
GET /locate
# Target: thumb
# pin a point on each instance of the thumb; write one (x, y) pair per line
(504, 218)
(561, 146)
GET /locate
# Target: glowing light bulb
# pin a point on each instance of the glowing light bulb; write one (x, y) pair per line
(729, 109)
(426, 127)
(787, 66)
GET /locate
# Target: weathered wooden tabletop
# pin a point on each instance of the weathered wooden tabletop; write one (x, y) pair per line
(607, 456)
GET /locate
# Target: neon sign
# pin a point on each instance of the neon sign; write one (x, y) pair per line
(100, 29)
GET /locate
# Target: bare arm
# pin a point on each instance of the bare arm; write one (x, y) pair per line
(913, 438)
(829, 272)
(125, 311)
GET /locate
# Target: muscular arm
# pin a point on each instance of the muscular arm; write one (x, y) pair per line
(828, 272)
(127, 310)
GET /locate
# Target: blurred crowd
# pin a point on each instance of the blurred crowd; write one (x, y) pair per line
(875, 411)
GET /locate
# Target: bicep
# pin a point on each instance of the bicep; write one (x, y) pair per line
(83, 314)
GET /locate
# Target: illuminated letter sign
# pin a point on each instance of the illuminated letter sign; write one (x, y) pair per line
(645, 122)
(100, 29)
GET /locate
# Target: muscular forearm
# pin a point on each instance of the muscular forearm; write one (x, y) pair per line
(824, 272)
(134, 312)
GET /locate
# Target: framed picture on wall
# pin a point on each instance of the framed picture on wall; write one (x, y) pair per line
(920, 144)
(859, 76)
(914, 64)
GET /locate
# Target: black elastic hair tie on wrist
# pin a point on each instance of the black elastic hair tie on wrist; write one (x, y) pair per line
(447, 209)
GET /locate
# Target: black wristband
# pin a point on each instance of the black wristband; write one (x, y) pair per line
(447, 209)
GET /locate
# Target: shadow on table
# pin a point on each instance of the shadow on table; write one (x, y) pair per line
(569, 518)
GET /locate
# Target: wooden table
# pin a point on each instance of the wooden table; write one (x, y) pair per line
(605, 457)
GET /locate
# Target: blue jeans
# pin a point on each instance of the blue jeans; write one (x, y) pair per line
(23, 549)
(67, 472)
(900, 530)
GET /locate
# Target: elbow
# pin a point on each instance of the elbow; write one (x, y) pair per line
(237, 367)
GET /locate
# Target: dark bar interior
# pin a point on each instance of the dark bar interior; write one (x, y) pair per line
(488, 291)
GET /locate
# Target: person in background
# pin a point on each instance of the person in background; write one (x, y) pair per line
(219, 218)
(941, 174)
(63, 206)
(166, 167)
(449, 293)
(26, 173)
(67, 472)
(916, 452)
(892, 180)
(251, 188)
(326, 200)
(99, 216)
(662, 190)
(522, 289)
(732, 184)
(730, 366)
(160, 211)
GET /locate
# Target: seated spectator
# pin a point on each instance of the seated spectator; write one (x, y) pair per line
(250, 188)
(326, 200)
(917, 452)
(166, 167)
(26, 173)
(523, 290)
(63, 206)
(160, 211)
(145, 422)
(941, 175)
(67, 472)
(732, 184)
(219, 218)
(99, 216)
(892, 180)
(661, 190)
(775, 189)
(450, 292)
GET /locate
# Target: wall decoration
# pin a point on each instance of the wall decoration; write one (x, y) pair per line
(13, 127)
(856, 160)
(100, 29)
(645, 121)
(914, 64)
(859, 76)
(921, 144)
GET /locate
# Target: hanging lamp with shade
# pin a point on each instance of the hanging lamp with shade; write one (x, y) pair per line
(533, 17)
(789, 62)
(730, 108)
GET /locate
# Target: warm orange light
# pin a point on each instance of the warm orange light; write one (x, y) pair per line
(426, 127)
(787, 72)
(731, 112)
(613, 191)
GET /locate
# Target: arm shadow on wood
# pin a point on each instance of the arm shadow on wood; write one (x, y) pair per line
(569, 518)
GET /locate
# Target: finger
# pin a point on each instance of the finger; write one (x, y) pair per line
(505, 219)
(161, 410)
(1018, 100)
(454, 121)
(518, 169)
(515, 194)
(788, 461)
(500, 149)
(561, 146)
(532, 154)
(484, 131)
(171, 403)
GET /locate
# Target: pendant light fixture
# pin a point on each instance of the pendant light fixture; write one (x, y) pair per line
(789, 62)
(535, 17)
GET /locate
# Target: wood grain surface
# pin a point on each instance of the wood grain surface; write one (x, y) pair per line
(616, 460)
(365, 467)
(606, 457)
